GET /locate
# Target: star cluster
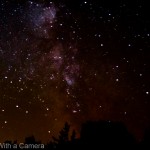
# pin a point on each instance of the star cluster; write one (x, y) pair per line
(72, 61)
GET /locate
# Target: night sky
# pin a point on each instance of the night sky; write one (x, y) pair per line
(73, 61)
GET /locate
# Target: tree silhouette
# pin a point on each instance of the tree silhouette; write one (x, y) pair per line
(63, 139)
(94, 135)
(31, 140)
(73, 136)
(106, 134)
(145, 144)
(64, 133)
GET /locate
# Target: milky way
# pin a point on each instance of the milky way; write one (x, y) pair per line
(72, 61)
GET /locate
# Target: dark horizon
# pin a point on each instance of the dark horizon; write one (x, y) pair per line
(78, 132)
(93, 135)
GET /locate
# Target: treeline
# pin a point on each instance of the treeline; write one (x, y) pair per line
(99, 135)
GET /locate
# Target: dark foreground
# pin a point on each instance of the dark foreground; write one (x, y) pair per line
(94, 135)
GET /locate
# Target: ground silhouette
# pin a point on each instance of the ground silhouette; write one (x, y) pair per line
(94, 135)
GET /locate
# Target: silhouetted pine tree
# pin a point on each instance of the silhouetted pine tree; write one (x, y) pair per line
(63, 139)
(73, 136)
(64, 134)
(145, 144)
